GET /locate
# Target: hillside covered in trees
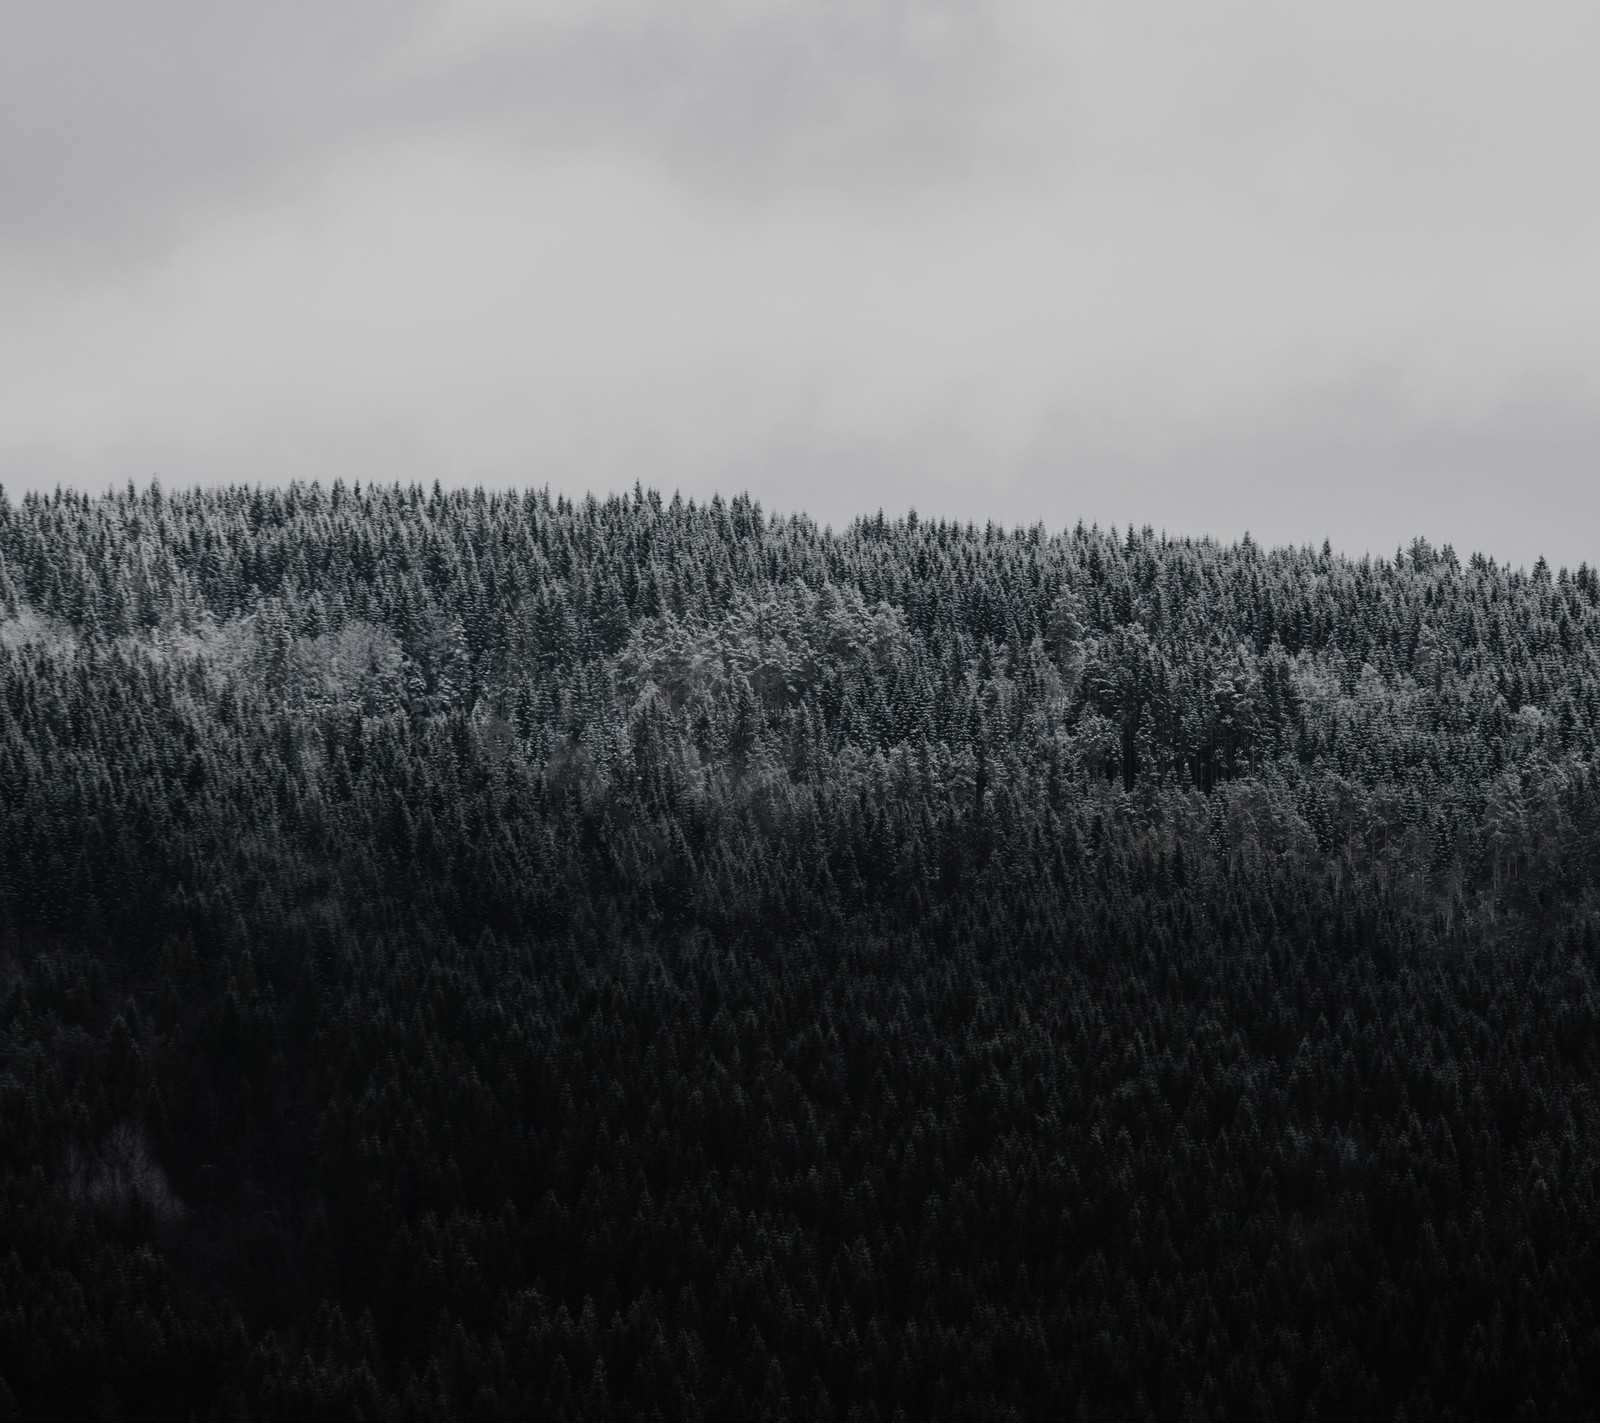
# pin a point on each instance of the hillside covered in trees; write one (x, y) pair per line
(483, 956)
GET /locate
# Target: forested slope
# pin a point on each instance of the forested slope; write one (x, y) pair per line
(486, 956)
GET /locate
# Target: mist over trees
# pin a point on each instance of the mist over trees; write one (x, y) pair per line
(488, 956)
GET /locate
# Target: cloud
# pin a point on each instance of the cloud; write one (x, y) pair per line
(121, 124)
(745, 97)
(1305, 272)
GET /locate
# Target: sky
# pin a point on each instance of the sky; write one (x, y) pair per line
(1308, 271)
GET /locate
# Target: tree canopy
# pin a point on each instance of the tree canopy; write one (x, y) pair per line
(484, 955)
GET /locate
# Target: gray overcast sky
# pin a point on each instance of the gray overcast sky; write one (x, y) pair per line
(1311, 270)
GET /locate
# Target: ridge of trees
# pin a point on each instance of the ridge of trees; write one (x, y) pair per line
(476, 954)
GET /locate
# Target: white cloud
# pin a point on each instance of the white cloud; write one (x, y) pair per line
(1307, 271)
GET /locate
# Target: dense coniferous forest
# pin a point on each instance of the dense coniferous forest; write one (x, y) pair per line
(486, 956)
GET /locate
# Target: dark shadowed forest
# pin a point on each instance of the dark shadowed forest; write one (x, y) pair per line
(485, 956)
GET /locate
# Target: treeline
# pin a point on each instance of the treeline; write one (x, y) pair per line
(481, 955)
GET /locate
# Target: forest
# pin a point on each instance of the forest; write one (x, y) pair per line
(484, 955)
